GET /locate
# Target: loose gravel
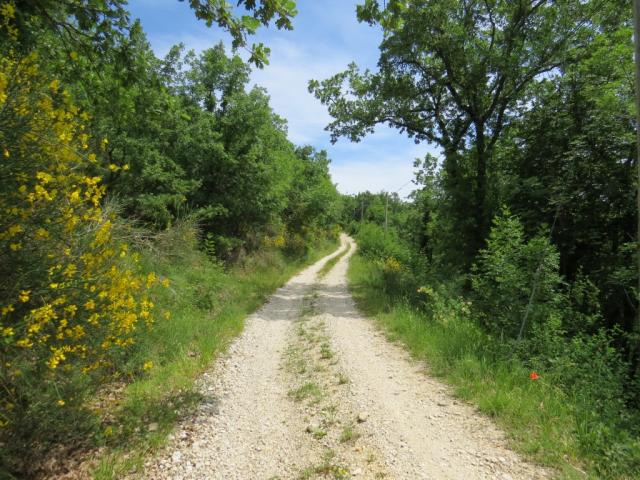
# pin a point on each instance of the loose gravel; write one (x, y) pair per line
(311, 389)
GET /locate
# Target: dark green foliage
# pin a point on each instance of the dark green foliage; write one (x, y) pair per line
(453, 73)
(375, 243)
(87, 24)
(312, 199)
(186, 134)
(574, 157)
(515, 282)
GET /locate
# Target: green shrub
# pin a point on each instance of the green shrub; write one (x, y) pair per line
(442, 305)
(375, 243)
(506, 274)
(73, 300)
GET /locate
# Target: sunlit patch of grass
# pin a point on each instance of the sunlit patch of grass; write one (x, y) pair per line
(349, 434)
(309, 390)
(325, 351)
(328, 468)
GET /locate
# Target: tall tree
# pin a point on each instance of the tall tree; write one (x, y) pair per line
(451, 73)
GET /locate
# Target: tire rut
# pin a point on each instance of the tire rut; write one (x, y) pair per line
(421, 430)
(247, 427)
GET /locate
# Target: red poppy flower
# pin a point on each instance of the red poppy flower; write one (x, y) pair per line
(533, 376)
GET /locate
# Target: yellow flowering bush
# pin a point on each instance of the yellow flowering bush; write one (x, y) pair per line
(391, 265)
(276, 241)
(394, 273)
(71, 298)
(443, 307)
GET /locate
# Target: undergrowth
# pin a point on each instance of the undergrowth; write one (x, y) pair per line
(545, 422)
(208, 302)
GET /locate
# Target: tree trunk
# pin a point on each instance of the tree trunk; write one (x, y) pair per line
(481, 187)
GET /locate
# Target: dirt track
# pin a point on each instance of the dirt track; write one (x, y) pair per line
(312, 390)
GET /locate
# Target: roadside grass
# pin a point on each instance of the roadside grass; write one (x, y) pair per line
(538, 418)
(208, 304)
(309, 390)
(328, 468)
(326, 268)
(342, 379)
(325, 351)
(349, 434)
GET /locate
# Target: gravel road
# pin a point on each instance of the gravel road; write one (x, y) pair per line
(311, 389)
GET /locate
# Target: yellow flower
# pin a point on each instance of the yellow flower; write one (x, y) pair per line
(113, 167)
(75, 196)
(391, 264)
(14, 230)
(60, 403)
(93, 304)
(44, 177)
(125, 167)
(65, 136)
(7, 10)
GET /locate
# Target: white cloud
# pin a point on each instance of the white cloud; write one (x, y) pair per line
(375, 176)
(374, 169)
(286, 79)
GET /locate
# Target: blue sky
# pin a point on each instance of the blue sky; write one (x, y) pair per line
(325, 39)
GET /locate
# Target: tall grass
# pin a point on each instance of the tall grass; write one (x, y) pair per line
(540, 420)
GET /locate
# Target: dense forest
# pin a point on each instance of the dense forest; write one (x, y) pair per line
(526, 222)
